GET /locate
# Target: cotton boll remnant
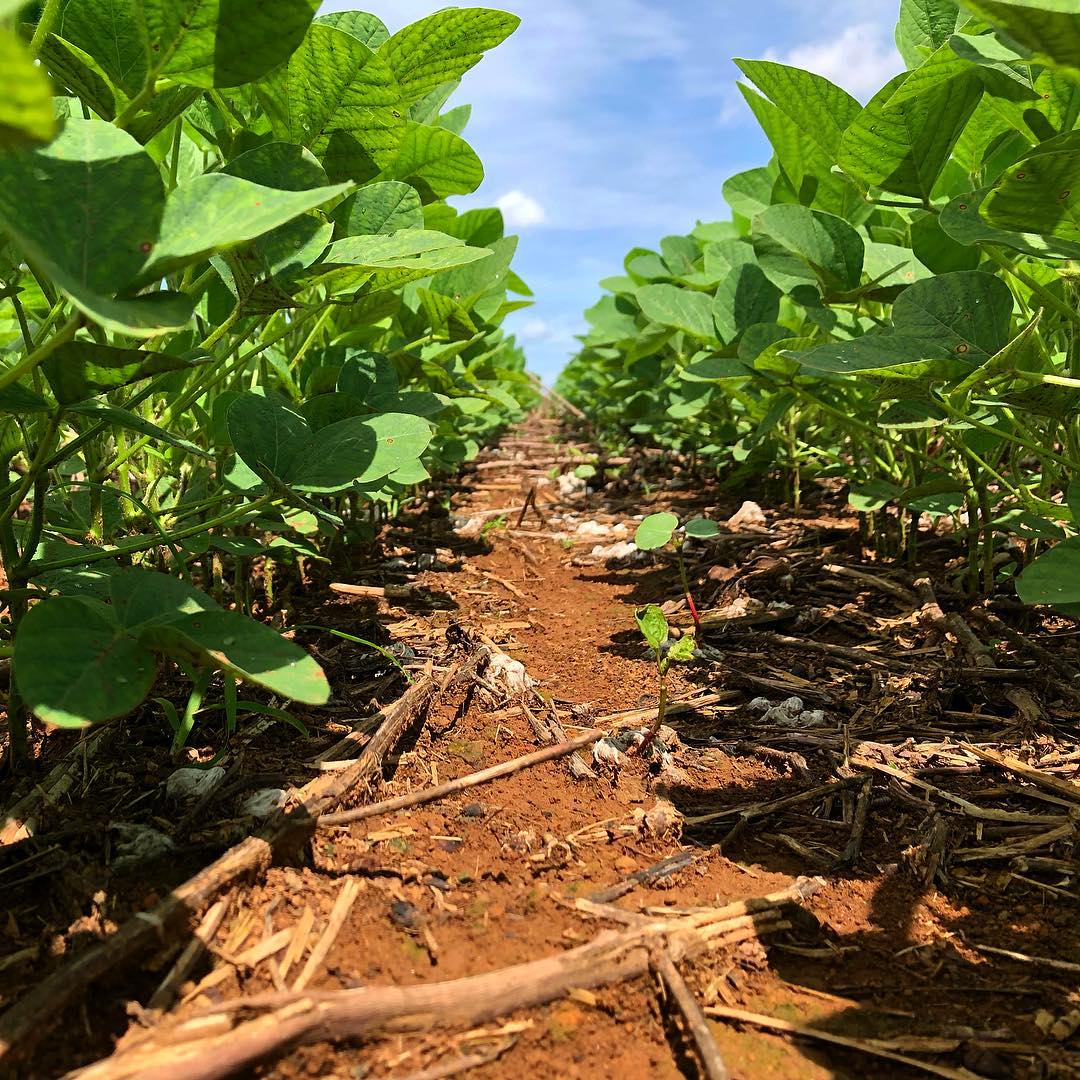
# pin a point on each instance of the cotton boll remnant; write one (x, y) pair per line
(608, 754)
(469, 528)
(508, 675)
(264, 802)
(139, 844)
(186, 785)
(747, 514)
(661, 819)
(760, 705)
(570, 486)
(593, 529)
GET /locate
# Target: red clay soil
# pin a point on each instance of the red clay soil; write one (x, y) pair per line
(885, 950)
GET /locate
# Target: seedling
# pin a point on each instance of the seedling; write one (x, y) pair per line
(654, 628)
(659, 530)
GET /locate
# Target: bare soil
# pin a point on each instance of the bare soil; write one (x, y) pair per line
(926, 850)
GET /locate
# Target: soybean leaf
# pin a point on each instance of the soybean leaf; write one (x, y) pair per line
(75, 665)
(340, 99)
(923, 27)
(702, 528)
(409, 249)
(656, 531)
(245, 649)
(816, 106)
(682, 650)
(681, 309)
(1054, 578)
(80, 369)
(963, 221)
(1040, 194)
(903, 148)
(954, 322)
(653, 626)
(369, 29)
(216, 211)
(26, 108)
(1049, 29)
(87, 209)
(113, 414)
(113, 34)
(385, 207)
(144, 597)
(265, 432)
(831, 247)
(210, 43)
(443, 46)
(436, 161)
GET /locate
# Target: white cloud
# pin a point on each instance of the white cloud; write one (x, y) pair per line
(536, 330)
(520, 211)
(861, 59)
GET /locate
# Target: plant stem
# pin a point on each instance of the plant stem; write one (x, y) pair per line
(44, 26)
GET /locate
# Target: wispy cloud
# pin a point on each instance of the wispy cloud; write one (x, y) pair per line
(861, 59)
(520, 211)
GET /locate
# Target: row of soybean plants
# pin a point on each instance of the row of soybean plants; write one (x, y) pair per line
(894, 300)
(238, 319)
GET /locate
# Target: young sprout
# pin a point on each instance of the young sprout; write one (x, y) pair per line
(654, 628)
(659, 530)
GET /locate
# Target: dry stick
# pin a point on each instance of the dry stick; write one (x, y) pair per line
(670, 864)
(866, 1046)
(464, 1062)
(902, 594)
(462, 783)
(979, 653)
(201, 1049)
(1058, 965)
(33, 1015)
(1052, 784)
(343, 905)
(708, 1051)
(163, 996)
(841, 652)
(21, 819)
(858, 827)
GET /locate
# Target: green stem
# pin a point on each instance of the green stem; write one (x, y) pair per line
(1040, 290)
(45, 25)
(145, 545)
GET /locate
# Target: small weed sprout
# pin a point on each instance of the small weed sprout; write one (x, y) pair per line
(654, 628)
(659, 530)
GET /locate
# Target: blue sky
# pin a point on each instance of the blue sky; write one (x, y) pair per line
(605, 124)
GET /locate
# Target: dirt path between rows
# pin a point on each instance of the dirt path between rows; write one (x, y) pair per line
(884, 950)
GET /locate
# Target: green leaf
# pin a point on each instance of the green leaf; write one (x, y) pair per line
(1054, 577)
(903, 148)
(80, 369)
(653, 626)
(683, 650)
(369, 29)
(963, 221)
(87, 209)
(144, 597)
(816, 106)
(702, 529)
(681, 309)
(923, 27)
(435, 161)
(340, 99)
(1040, 194)
(26, 106)
(385, 207)
(75, 665)
(210, 43)
(215, 212)
(113, 34)
(828, 244)
(128, 421)
(409, 249)
(748, 193)
(656, 531)
(444, 46)
(245, 649)
(954, 321)
(1050, 29)
(715, 369)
